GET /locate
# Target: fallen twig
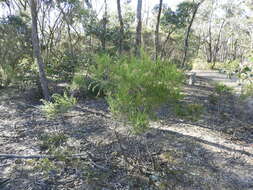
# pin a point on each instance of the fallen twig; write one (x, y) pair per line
(14, 156)
(93, 112)
(87, 156)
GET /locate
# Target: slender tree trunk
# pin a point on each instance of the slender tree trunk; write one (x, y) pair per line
(88, 3)
(121, 27)
(210, 46)
(157, 39)
(186, 41)
(216, 49)
(235, 49)
(165, 42)
(66, 19)
(36, 50)
(104, 27)
(138, 30)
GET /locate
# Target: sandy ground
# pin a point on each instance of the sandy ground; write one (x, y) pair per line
(215, 152)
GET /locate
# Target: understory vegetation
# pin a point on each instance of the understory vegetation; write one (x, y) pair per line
(121, 94)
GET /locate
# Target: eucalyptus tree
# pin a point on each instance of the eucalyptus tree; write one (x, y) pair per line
(176, 23)
(157, 39)
(224, 31)
(138, 29)
(194, 8)
(121, 25)
(104, 24)
(36, 49)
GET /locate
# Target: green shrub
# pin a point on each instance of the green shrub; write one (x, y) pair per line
(78, 85)
(59, 104)
(222, 89)
(200, 64)
(247, 90)
(213, 99)
(100, 81)
(50, 142)
(7, 75)
(135, 87)
(94, 82)
(46, 166)
(189, 111)
(88, 86)
(78, 81)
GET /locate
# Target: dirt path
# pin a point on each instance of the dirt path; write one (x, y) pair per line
(215, 152)
(219, 78)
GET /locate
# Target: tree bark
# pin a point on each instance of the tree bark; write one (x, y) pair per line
(210, 48)
(216, 49)
(165, 42)
(121, 27)
(88, 3)
(186, 41)
(157, 39)
(36, 50)
(104, 26)
(138, 29)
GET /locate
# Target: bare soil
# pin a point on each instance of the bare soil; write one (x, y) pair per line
(215, 152)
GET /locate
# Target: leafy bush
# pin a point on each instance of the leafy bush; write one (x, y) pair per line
(247, 90)
(135, 87)
(228, 66)
(222, 89)
(96, 82)
(9, 76)
(200, 64)
(78, 81)
(59, 104)
(100, 73)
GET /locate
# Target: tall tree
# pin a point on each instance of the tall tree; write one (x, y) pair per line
(67, 19)
(186, 41)
(138, 29)
(104, 23)
(121, 26)
(216, 47)
(36, 49)
(157, 39)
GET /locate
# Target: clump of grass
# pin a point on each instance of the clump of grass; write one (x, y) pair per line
(222, 89)
(50, 142)
(60, 104)
(247, 90)
(78, 81)
(46, 166)
(188, 111)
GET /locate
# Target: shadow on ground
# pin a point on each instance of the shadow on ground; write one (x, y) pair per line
(174, 154)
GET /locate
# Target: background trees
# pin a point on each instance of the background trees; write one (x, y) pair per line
(70, 32)
(223, 30)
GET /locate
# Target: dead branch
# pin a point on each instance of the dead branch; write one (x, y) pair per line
(86, 156)
(15, 156)
(93, 112)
